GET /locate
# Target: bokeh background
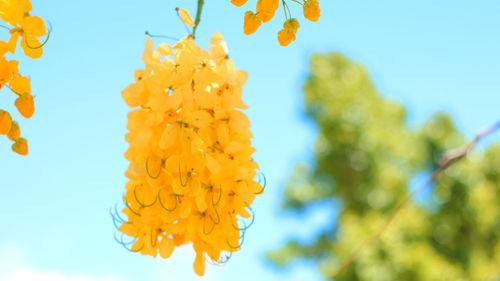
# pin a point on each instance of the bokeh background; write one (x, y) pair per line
(55, 203)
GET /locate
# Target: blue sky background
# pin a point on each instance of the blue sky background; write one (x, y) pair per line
(429, 55)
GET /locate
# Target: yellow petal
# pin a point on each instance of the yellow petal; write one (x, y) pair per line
(199, 119)
(34, 26)
(168, 137)
(222, 134)
(25, 104)
(199, 263)
(164, 50)
(292, 25)
(6, 70)
(212, 164)
(285, 37)
(20, 85)
(14, 132)
(129, 229)
(233, 147)
(4, 48)
(185, 16)
(134, 95)
(217, 41)
(201, 202)
(312, 10)
(12, 44)
(32, 47)
(239, 3)
(20, 146)
(25, 5)
(5, 122)
(147, 56)
(239, 122)
(251, 22)
(166, 247)
(266, 9)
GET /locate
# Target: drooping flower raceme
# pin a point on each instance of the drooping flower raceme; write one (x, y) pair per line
(191, 176)
(27, 28)
(265, 10)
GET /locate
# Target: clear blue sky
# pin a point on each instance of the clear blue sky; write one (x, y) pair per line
(429, 55)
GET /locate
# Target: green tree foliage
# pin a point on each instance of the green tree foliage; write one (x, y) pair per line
(366, 159)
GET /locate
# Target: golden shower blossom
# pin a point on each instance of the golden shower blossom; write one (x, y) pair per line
(287, 34)
(251, 23)
(239, 3)
(265, 11)
(28, 28)
(191, 176)
(20, 146)
(312, 10)
(5, 122)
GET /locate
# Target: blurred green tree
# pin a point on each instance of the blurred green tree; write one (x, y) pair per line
(367, 158)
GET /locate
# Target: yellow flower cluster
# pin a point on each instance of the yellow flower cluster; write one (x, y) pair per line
(16, 13)
(265, 11)
(191, 175)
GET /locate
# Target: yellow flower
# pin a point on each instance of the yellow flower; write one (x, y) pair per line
(8, 69)
(31, 28)
(191, 173)
(292, 25)
(266, 9)
(287, 34)
(251, 23)
(14, 132)
(20, 146)
(20, 85)
(13, 11)
(285, 37)
(25, 104)
(17, 14)
(239, 3)
(312, 10)
(5, 122)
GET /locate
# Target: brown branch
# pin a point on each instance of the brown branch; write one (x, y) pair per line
(446, 161)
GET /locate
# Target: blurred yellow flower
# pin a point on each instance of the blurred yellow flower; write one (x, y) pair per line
(5, 122)
(239, 3)
(25, 104)
(312, 10)
(287, 34)
(14, 132)
(265, 11)
(251, 23)
(20, 146)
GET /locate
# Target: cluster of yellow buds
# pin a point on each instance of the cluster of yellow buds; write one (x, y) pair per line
(265, 11)
(191, 174)
(16, 13)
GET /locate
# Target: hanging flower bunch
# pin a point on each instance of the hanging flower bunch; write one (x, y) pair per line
(191, 174)
(26, 29)
(265, 11)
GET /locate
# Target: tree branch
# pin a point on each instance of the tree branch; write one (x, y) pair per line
(446, 161)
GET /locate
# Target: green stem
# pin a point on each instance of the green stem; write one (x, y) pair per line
(198, 16)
